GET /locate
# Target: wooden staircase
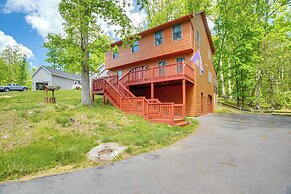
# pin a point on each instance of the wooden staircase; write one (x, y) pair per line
(120, 97)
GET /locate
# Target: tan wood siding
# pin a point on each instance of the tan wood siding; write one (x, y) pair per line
(203, 86)
(148, 50)
(169, 51)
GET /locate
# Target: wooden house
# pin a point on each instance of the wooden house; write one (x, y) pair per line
(156, 78)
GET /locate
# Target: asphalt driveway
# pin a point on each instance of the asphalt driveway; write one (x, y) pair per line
(228, 154)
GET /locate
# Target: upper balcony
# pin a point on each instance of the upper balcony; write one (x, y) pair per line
(171, 72)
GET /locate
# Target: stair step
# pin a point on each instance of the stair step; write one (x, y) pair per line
(111, 100)
(177, 121)
(181, 123)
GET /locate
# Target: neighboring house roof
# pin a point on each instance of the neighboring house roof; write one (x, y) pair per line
(101, 71)
(173, 22)
(59, 73)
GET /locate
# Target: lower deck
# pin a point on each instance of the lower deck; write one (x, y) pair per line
(173, 92)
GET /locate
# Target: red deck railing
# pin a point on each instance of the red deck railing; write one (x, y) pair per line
(152, 109)
(159, 73)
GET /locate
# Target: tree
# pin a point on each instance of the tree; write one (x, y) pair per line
(161, 11)
(275, 65)
(3, 71)
(13, 66)
(84, 42)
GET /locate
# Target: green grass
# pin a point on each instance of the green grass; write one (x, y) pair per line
(37, 138)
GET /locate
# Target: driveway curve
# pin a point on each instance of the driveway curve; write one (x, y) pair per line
(229, 153)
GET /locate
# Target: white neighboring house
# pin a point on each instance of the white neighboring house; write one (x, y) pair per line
(53, 77)
(101, 72)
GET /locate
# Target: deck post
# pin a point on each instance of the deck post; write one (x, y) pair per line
(104, 100)
(143, 107)
(184, 97)
(183, 68)
(152, 91)
(92, 96)
(172, 114)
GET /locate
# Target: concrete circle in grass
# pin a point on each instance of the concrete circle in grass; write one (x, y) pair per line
(105, 152)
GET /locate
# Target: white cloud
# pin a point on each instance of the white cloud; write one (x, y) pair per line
(6, 40)
(138, 18)
(42, 15)
(210, 24)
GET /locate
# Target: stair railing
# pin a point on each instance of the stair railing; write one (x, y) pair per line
(128, 102)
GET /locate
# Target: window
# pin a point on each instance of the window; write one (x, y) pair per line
(209, 77)
(158, 38)
(177, 32)
(162, 63)
(139, 68)
(180, 66)
(209, 54)
(198, 38)
(180, 59)
(161, 68)
(119, 74)
(115, 55)
(139, 72)
(134, 47)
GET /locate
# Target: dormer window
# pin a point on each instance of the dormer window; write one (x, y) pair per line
(158, 38)
(177, 32)
(134, 47)
(115, 55)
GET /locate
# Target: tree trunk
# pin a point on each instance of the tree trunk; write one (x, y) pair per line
(258, 89)
(220, 66)
(221, 79)
(228, 80)
(271, 79)
(237, 87)
(86, 100)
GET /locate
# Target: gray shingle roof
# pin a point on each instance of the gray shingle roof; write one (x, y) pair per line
(63, 74)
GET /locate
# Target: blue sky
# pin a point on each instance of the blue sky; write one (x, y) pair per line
(14, 25)
(27, 22)
(17, 27)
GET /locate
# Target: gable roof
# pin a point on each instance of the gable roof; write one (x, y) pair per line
(59, 73)
(100, 70)
(177, 21)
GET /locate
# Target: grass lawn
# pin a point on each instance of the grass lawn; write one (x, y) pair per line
(38, 139)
